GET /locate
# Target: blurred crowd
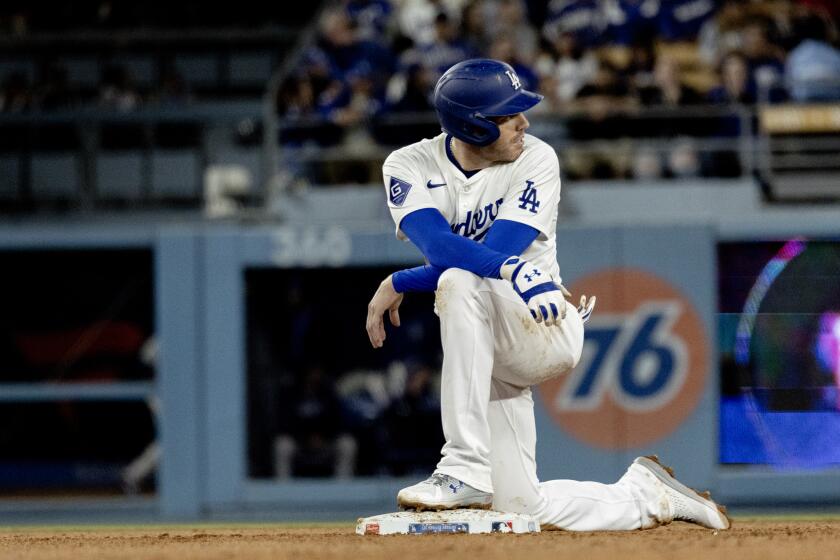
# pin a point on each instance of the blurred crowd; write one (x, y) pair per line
(376, 60)
(376, 56)
(610, 70)
(116, 91)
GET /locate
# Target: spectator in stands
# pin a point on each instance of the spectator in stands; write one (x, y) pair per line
(117, 91)
(305, 101)
(736, 88)
(639, 71)
(475, 25)
(683, 160)
(582, 18)
(510, 22)
(417, 18)
(297, 97)
(668, 88)
(447, 48)
(311, 441)
(681, 20)
(370, 17)
(736, 84)
(764, 58)
(722, 33)
(605, 93)
(812, 70)
(603, 103)
(301, 94)
(573, 68)
(357, 102)
(631, 21)
(410, 90)
(680, 160)
(342, 50)
(15, 95)
(647, 163)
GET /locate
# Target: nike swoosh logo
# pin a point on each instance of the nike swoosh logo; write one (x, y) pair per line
(431, 185)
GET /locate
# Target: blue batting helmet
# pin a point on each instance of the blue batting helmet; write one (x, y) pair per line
(472, 91)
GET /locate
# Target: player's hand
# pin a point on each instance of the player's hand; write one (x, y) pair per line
(544, 298)
(385, 299)
(586, 307)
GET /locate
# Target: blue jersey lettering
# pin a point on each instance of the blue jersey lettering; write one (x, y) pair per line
(475, 220)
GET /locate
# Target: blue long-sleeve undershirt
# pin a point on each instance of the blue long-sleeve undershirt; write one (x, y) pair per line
(431, 233)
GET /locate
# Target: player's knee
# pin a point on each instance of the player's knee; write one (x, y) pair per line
(457, 276)
(457, 279)
(454, 285)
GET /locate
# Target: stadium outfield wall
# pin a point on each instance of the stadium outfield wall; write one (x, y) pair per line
(648, 381)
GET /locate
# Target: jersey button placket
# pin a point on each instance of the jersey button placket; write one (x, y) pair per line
(465, 199)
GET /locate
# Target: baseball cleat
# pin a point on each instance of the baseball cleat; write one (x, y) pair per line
(441, 491)
(686, 504)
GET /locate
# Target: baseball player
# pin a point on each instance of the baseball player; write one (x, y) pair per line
(480, 201)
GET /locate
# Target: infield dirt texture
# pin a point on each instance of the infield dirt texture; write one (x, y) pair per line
(747, 540)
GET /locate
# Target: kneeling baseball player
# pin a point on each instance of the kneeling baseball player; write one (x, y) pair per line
(480, 201)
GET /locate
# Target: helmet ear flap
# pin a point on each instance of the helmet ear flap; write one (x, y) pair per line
(471, 127)
(479, 131)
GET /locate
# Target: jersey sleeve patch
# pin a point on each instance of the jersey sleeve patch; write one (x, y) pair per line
(398, 190)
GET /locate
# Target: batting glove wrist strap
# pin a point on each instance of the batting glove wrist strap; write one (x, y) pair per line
(527, 279)
(543, 297)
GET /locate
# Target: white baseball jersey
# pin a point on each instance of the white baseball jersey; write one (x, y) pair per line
(527, 190)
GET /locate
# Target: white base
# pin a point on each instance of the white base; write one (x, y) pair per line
(470, 521)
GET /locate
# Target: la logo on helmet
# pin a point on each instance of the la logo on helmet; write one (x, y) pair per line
(514, 79)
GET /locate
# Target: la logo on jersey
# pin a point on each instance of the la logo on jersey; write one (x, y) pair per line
(514, 79)
(643, 368)
(528, 199)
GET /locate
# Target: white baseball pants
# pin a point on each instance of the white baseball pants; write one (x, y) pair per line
(493, 353)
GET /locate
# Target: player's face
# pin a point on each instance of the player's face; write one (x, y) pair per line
(511, 139)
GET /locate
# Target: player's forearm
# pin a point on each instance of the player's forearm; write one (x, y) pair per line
(428, 229)
(425, 278)
(417, 279)
(448, 250)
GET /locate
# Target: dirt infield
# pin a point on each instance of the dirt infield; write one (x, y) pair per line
(747, 540)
